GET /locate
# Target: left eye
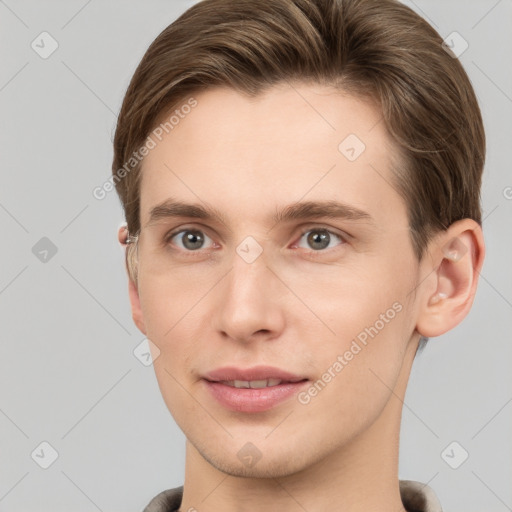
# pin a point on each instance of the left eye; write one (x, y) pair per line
(191, 239)
(319, 239)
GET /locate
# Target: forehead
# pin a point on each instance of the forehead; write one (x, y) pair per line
(250, 155)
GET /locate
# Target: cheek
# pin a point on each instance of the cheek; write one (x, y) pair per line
(368, 310)
(171, 324)
(348, 298)
(358, 371)
(167, 300)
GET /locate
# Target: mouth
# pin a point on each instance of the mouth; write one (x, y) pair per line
(256, 384)
(254, 377)
(254, 395)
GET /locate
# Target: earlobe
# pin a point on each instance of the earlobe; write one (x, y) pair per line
(137, 314)
(457, 257)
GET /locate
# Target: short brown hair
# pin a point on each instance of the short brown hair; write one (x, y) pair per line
(376, 49)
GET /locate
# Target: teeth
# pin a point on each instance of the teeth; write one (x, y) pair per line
(253, 384)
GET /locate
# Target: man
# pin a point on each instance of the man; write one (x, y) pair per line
(300, 180)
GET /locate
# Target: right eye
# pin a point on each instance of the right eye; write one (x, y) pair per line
(190, 239)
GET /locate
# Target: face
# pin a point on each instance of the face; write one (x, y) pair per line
(275, 279)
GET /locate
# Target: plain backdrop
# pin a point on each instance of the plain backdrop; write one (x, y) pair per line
(69, 377)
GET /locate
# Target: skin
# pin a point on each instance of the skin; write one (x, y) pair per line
(294, 307)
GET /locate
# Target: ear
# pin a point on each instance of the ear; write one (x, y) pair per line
(137, 314)
(456, 258)
(133, 292)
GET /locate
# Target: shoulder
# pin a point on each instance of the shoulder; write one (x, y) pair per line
(419, 497)
(166, 501)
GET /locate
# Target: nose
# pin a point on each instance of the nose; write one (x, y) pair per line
(249, 302)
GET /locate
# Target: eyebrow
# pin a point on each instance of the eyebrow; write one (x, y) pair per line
(295, 211)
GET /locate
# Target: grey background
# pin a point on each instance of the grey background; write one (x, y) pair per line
(68, 375)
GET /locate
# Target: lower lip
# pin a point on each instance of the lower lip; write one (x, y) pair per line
(253, 400)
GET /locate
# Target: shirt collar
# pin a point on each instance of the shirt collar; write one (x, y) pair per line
(416, 497)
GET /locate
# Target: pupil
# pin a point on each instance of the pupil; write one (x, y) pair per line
(192, 240)
(322, 238)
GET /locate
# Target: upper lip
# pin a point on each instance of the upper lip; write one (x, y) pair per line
(230, 373)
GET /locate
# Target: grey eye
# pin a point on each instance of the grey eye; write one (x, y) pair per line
(191, 239)
(318, 239)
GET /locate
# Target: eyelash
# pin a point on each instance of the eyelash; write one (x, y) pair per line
(312, 252)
